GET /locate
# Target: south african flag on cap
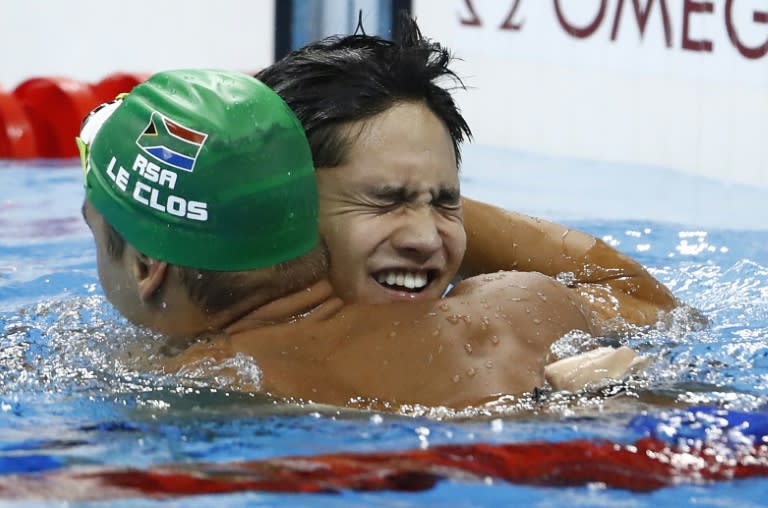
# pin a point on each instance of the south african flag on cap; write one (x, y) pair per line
(170, 142)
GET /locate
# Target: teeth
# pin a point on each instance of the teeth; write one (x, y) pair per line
(410, 280)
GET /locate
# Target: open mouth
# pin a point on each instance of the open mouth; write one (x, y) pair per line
(404, 280)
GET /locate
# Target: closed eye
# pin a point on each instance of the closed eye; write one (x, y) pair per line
(387, 198)
(447, 198)
(391, 195)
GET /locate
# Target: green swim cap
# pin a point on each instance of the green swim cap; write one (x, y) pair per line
(203, 168)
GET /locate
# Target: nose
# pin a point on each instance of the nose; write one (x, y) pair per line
(418, 237)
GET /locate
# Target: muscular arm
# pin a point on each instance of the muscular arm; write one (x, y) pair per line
(613, 284)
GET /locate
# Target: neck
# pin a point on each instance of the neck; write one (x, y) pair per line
(182, 320)
(173, 314)
(318, 298)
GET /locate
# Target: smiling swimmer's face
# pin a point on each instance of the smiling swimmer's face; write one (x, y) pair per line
(391, 213)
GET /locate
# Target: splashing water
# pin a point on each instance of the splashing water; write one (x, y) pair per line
(78, 385)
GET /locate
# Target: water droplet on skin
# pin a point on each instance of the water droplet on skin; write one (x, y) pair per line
(468, 348)
(471, 372)
(484, 323)
(453, 318)
(392, 334)
(527, 310)
(542, 296)
(456, 378)
(164, 305)
(495, 339)
(443, 307)
(536, 321)
(436, 332)
(489, 364)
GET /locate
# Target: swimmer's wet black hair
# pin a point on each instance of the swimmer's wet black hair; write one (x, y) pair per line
(338, 80)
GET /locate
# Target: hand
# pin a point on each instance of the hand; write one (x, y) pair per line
(593, 366)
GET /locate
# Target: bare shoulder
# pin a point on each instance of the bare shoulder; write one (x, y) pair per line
(531, 299)
(511, 284)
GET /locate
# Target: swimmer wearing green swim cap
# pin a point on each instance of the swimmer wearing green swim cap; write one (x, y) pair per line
(205, 169)
(201, 201)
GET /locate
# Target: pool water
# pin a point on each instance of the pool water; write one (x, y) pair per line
(72, 400)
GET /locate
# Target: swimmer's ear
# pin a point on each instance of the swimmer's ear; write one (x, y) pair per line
(150, 276)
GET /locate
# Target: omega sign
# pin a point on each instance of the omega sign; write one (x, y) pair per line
(745, 22)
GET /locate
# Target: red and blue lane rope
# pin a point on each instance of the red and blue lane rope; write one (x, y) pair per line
(694, 446)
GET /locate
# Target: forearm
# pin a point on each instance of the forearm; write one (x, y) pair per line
(616, 284)
(499, 239)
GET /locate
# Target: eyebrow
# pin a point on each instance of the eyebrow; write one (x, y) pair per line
(402, 194)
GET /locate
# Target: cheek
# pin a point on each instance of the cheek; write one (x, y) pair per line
(455, 239)
(349, 241)
(102, 267)
(109, 284)
(111, 277)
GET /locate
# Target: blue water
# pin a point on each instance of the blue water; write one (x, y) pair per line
(70, 395)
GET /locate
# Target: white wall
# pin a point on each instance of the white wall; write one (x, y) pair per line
(90, 39)
(684, 97)
(694, 104)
